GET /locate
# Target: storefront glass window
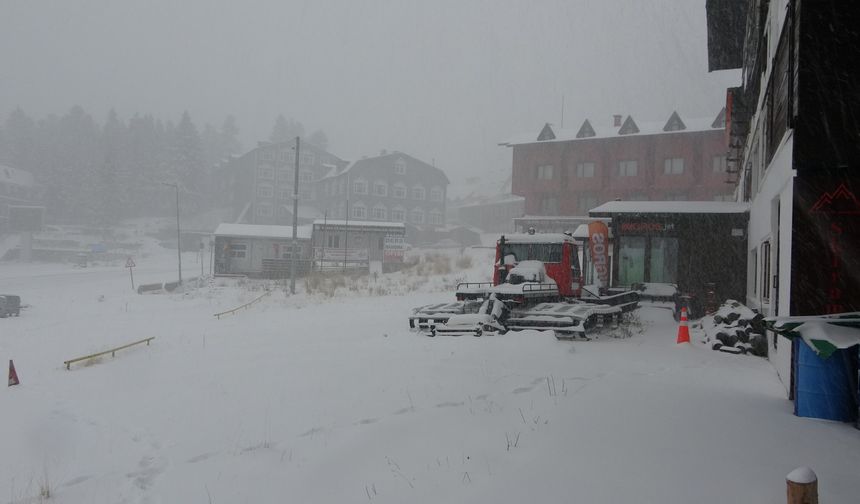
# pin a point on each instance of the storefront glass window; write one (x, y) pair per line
(664, 260)
(631, 261)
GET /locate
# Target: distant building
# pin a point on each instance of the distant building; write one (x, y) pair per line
(569, 171)
(260, 250)
(17, 188)
(259, 184)
(341, 244)
(492, 214)
(391, 187)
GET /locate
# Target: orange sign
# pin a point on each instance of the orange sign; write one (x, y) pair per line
(598, 235)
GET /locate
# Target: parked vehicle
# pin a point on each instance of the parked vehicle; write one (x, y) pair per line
(10, 305)
(537, 284)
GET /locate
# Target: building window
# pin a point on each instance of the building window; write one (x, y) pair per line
(418, 216)
(238, 250)
(719, 164)
(380, 188)
(358, 211)
(544, 172)
(753, 278)
(359, 186)
(284, 175)
(765, 272)
(265, 191)
(673, 166)
(266, 172)
(264, 210)
(400, 167)
(333, 241)
(306, 177)
(436, 217)
(629, 168)
(306, 159)
(379, 213)
(585, 170)
(399, 191)
(586, 203)
(549, 206)
(436, 194)
(398, 214)
(306, 194)
(418, 193)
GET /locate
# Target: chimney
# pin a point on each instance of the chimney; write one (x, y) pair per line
(616, 120)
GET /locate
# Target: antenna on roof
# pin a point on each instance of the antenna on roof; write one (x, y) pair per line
(562, 112)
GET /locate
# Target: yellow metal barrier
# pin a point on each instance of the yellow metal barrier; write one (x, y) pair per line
(112, 352)
(246, 305)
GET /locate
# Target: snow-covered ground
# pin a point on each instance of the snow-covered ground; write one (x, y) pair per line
(324, 398)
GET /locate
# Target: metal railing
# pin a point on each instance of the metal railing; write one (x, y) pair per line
(112, 352)
(246, 305)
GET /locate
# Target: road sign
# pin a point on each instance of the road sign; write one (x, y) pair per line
(129, 263)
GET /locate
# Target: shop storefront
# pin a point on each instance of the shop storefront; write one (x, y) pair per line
(699, 246)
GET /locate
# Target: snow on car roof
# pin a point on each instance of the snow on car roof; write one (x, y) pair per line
(262, 231)
(668, 207)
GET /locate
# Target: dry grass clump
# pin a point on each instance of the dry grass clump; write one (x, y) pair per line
(464, 262)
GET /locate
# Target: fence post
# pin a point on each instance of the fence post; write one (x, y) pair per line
(802, 486)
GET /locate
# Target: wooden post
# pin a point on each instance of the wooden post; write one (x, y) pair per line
(802, 486)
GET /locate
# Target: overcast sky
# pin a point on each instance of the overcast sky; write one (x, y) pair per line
(440, 80)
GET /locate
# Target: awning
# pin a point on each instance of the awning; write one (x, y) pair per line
(823, 333)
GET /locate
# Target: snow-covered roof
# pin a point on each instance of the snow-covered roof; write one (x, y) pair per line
(581, 232)
(496, 200)
(15, 176)
(354, 223)
(537, 238)
(262, 231)
(645, 128)
(668, 207)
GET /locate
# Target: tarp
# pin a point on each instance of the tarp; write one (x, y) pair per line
(823, 333)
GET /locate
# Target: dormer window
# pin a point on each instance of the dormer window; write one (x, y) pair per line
(400, 167)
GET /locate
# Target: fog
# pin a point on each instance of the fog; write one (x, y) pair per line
(444, 81)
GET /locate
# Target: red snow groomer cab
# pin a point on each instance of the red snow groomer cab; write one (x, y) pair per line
(537, 284)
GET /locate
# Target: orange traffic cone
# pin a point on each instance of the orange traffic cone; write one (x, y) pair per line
(683, 330)
(13, 376)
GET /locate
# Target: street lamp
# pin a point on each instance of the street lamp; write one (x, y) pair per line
(178, 238)
(295, 222)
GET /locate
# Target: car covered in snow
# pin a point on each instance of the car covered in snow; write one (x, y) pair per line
(10, 305)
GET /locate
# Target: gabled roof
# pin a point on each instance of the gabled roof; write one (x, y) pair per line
(674, 123)
(720, 121)
(389, 159)
(546, 133)
(629, 127)
(585, 131)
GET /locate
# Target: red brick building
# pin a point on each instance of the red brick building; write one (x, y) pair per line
(569, 171)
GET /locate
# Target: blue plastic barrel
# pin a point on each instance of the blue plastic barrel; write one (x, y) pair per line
(823, 387)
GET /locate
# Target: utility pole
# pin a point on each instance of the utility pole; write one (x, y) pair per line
(178, 235)
(295, 223)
